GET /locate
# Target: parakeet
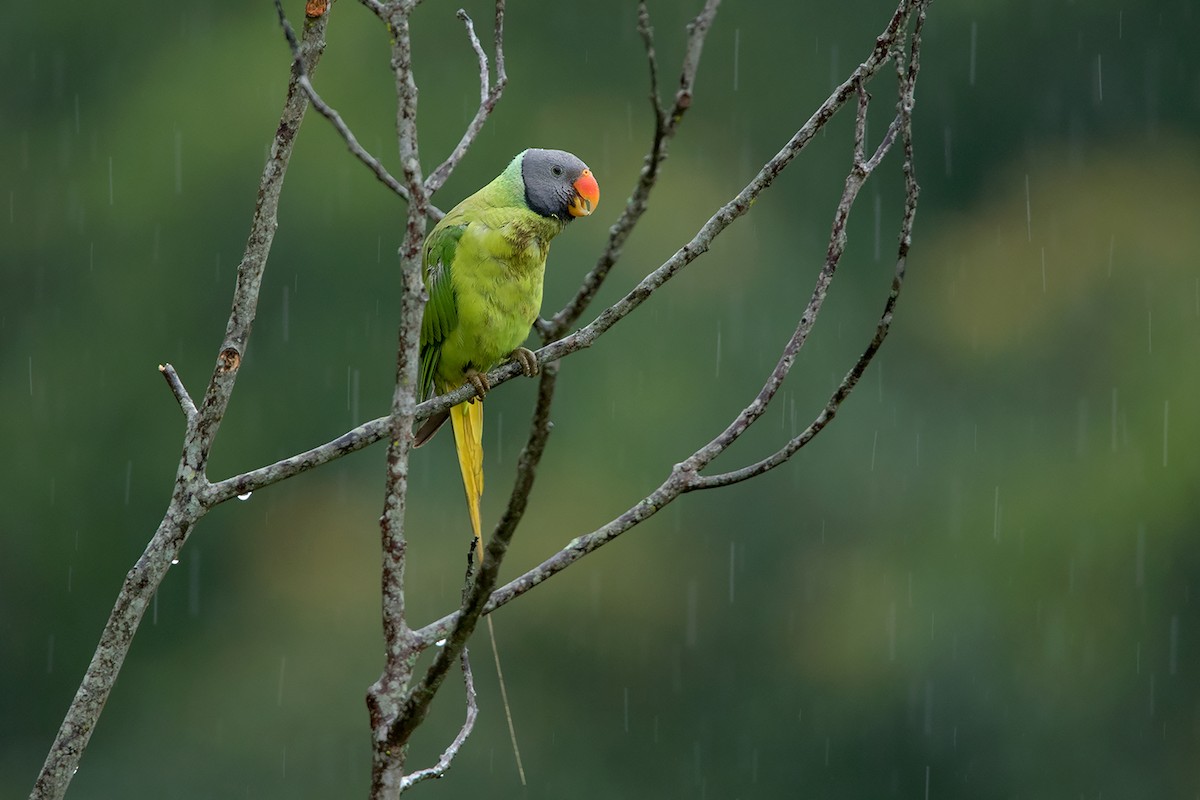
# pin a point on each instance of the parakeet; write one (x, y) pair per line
(483, 269)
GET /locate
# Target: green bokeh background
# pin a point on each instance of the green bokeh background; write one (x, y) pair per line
(976, 583)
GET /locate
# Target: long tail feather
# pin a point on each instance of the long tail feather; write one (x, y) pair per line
(467, 420)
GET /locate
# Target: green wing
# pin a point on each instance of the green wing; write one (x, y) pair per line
(441, 310)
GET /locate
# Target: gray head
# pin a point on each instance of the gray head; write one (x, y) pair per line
(557, 184)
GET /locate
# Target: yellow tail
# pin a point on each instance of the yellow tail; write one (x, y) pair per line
(467, 419)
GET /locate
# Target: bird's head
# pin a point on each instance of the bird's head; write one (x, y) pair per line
(559, 185)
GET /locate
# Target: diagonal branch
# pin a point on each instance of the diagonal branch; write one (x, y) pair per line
(180, 391)
(442, 766)
(188, 499)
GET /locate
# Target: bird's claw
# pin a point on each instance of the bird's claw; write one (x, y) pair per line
(481, 383)
(527, 360)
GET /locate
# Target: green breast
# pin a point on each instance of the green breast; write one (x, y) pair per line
(497, 274)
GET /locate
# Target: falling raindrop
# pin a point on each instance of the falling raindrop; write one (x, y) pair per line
(1099, 80)
(718, 372)
(996, 516)
(1139, 562)
(946, 138)
(178, 161)
(1114, 419)
(194, 585)
(974, 39)
(737, 37)
(891, 631)
(245, 496)
(1028, 211)
(1173, 652)
(878, 221)
(693, 601)
(1166, 419)
(732, 550)
(874, 447)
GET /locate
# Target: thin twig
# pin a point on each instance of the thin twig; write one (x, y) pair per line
(187, 505)
(444, 762)
(179, 390)
(488, 97)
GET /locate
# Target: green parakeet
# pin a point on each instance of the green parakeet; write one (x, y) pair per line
(483, 269)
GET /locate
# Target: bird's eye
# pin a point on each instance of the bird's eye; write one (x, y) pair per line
(556, 171)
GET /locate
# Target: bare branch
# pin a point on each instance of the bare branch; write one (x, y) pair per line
(684, 476)
(187, 504)
(488, 97)
(903, 123)
(179, 390)
(439, 769)
(665, 126)
(375, 165)
(385, 698)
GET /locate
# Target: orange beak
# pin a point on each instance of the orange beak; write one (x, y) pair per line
(587, 195)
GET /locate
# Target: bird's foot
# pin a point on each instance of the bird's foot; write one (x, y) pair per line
(527, 360)
(480, 381)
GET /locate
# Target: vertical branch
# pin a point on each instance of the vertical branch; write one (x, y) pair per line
(385, 696)
(189, 499)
